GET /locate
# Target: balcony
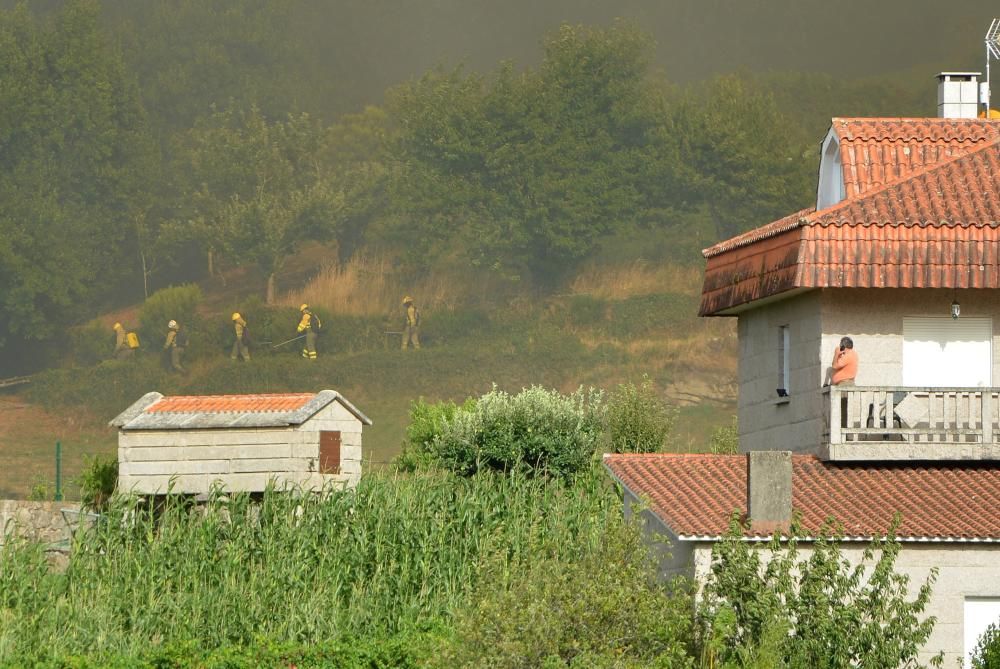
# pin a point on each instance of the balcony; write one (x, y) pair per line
(900, 423)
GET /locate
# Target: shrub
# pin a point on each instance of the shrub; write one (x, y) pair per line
(91, 343)
(98, 482)
(179, 303)
(814, 610)
(726, 439)
(537, 430)
(426, 422)
(986, 654)
(637, 420)
(606, 609)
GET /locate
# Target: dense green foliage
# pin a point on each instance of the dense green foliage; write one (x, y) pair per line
(537, 431)
(637, 420)
(396, 555)
(986, 654)
(808, 606)
(141, 145)
(603, 610)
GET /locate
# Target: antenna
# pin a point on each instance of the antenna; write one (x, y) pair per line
(992, 41)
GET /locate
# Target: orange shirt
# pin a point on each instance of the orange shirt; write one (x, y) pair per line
(845, 365)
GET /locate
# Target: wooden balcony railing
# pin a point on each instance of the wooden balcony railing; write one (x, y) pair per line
(912, 415)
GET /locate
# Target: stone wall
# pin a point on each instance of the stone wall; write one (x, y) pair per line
(41, 521)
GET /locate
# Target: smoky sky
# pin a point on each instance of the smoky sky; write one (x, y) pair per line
(375, 43)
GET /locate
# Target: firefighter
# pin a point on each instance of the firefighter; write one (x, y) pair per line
(310, 325)
(175, 344)
(122, 349)
(241, 347)
(411, 325)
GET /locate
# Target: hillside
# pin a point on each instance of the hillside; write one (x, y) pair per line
(612, 324)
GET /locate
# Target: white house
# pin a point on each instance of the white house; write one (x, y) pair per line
(902, 254)
(241, 442)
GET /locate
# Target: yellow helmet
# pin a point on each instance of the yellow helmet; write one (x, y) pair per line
(117, 326)
(303, 307)
(407, 299)
(236, 315)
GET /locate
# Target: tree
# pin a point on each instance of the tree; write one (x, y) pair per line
(524, 172)
(75, 153)
(986, 654)
(814, 610)
(259, 189)
(739, 157)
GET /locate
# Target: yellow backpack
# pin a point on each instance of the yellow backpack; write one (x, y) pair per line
(132, 339)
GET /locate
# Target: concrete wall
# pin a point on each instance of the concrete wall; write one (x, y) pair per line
(766, 421)
(673, 557)
(38, 521)
(241, 459)
(964, 571)
(817, 320)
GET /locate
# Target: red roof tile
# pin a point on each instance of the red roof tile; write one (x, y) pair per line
(937, 228)
(230, 403)
(695, 495)
(878, 151)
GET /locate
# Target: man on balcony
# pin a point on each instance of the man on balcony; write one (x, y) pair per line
(845, 363)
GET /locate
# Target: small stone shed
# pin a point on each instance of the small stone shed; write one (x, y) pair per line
(240, 441)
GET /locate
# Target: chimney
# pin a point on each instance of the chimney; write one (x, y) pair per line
(769, 490)
(958, 95)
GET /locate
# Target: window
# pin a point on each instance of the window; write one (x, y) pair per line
(831, 175)
(978, 615)
(939, 351)
(784, 365)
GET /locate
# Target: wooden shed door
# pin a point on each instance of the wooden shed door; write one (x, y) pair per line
(329, 452)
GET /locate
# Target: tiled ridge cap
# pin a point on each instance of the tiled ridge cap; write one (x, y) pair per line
(772, 229)
(914, 129)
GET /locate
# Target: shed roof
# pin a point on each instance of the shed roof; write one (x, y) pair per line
(696, 495)
(938, 227)
(153, 411)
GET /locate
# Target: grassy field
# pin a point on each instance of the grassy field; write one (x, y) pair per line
(615, 324)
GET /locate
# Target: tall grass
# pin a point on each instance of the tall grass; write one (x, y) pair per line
(641, 277)
(370, 286)
(399, 553)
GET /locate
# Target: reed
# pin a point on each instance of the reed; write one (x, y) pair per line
(399, 553)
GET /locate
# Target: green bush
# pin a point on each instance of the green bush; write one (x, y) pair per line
(98, 482)
(986, 654)
(426, 423)
(725, 439)
(179, 303)
(537, 430)
(91, 343)
(776, 607)
(637, 420)
(604, 609)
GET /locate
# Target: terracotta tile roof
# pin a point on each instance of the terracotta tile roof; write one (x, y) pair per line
(230, 403)
(878, 151)
(936, 228)
(153, 411)
(695, 495)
